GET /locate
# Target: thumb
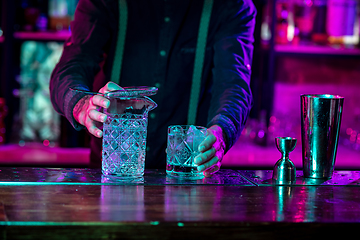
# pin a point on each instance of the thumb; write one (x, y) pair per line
(110, 86)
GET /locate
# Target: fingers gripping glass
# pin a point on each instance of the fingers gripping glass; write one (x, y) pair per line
(125, 131)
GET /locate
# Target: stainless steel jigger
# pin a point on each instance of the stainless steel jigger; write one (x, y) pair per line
(284, 170)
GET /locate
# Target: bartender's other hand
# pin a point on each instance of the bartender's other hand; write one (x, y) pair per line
(86, 109)
(211, 151)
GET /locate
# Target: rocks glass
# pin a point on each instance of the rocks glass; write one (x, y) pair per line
(182, 148)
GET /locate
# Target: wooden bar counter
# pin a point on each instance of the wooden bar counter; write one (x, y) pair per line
(39, 203)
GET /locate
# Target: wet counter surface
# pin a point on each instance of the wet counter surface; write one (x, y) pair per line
(234, 204)
(44, 176)
(69, 176)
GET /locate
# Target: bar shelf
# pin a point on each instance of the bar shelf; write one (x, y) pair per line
(315, 50)
(43, 36)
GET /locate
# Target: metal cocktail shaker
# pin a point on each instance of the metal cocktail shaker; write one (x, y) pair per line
(320, 125)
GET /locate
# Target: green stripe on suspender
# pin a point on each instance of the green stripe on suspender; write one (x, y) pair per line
(199, 61)
(199, 54)
(119, 51)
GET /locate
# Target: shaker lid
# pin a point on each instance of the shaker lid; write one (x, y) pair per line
(132, 92)
(126, 92)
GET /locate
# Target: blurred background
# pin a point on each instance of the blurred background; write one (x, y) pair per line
(301, 46)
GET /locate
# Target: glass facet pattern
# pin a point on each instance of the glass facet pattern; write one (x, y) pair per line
(182, 148)
(124, 144)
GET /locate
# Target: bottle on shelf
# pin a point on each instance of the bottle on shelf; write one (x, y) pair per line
(304, 16)
(61, 13)
(265, 33)
(42, 22)
(342, 22)
(284, 26)
(30, 15)
(319, 34)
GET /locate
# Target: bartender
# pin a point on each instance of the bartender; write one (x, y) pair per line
(159, 49)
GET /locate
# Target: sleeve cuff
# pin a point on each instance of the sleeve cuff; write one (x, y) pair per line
(228, 128)
(71, 98)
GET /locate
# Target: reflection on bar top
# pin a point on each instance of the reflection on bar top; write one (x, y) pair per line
(229, 177)
(339, 178)
(76, 176)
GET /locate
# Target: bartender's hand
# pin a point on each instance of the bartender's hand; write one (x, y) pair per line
(212, 151)
(86, 111)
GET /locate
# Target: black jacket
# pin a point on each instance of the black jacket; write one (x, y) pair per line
(159, 51)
